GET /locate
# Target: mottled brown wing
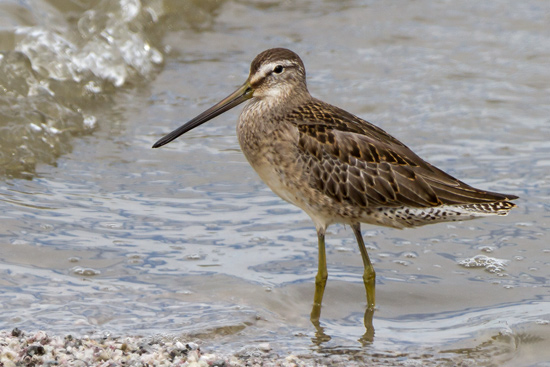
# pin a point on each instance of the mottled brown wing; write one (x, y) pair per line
(351, 160)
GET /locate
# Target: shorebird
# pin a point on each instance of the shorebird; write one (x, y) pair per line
(336, 166)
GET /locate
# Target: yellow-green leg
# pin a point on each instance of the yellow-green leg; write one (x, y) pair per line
(321, 278)
(369, 276)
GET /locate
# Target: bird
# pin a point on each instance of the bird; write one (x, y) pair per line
(337, 167)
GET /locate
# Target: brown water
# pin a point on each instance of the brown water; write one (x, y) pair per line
(100, 233)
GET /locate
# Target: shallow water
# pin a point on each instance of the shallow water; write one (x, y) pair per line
(102, 233)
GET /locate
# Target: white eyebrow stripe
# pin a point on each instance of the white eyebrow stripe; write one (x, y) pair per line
(267, 68)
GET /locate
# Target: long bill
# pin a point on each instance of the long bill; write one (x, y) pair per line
(234, 99)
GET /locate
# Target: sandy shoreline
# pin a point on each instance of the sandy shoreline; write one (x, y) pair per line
(19, 348)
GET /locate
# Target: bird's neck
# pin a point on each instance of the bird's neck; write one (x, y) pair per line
(277, 104)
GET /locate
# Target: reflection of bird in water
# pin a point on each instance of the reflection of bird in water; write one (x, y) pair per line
(337, 167)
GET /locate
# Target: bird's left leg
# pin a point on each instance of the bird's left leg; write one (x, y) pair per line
(322, 275)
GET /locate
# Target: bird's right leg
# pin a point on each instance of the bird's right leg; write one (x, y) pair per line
(369, 275)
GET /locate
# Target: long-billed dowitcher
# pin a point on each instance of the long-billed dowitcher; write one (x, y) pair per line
(335, 166)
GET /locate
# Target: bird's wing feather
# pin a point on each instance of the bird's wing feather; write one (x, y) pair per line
(353, 161)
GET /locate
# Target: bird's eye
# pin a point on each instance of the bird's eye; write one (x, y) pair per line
(278, 69)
